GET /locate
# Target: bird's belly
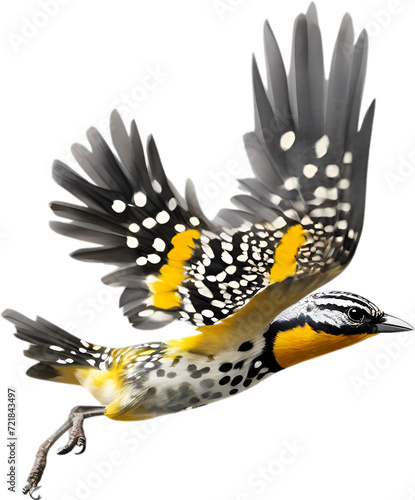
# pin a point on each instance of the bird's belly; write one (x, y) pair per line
(189, 384)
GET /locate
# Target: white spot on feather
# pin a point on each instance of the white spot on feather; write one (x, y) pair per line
(287, 140)
(218, 303)
(159, 245)
(332, 171)
(348, 157)
(149, 222)
(208, 251)
(154, 258)
(309, 170)
(321, 146)
(226, 236)
(119, 206)
(323, 212)
(194, 221)
(305, 221)
(140, 199)
(344, 184)
(227, 246)
(291, 213)
(172, 204)
(156, 186)
(231, 269)
(134, 228)
(227, 257)
(279, 222)
(206, 292)
(132, 242)
(56, 348)
(322, 192)
(291, 183)
(162, 217)
(221, 276)
(275, 199)
(146, 313)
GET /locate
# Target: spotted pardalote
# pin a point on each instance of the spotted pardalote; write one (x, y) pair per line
(242, 279)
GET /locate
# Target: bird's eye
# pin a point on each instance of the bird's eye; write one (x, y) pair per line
(356, 314)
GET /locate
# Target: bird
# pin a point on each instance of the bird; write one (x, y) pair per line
(247, 279)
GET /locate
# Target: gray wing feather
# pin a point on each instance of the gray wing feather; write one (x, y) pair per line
(337, 104)
(307, 153)
(357, 81)
(315, 75)
(277, 81)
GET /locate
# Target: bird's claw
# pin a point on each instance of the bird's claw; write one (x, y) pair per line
(76, 438)
(70, 445)
(81, 442)
(29, 488)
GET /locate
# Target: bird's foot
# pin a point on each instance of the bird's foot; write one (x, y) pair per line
(76, 435)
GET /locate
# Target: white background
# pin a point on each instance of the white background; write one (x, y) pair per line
(355, 442)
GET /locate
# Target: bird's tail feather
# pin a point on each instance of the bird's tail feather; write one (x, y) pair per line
(59, 353)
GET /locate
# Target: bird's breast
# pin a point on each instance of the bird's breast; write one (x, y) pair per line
(182, 380)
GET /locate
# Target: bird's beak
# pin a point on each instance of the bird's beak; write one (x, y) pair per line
(391, 324)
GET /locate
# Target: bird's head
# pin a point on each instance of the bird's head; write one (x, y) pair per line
(325, 322)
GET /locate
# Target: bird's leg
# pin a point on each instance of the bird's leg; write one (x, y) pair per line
(76, 438)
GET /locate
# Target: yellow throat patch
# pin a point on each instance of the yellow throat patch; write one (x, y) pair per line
(303, 343)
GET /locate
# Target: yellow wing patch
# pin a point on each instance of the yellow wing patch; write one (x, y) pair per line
(171, 275)
(303, 342)
(285, 263)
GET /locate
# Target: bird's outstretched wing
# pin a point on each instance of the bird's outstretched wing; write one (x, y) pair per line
(296, 229)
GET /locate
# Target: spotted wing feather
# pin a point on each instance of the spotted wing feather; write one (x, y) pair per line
(307, 152)
(132, 212)
(296, 228)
